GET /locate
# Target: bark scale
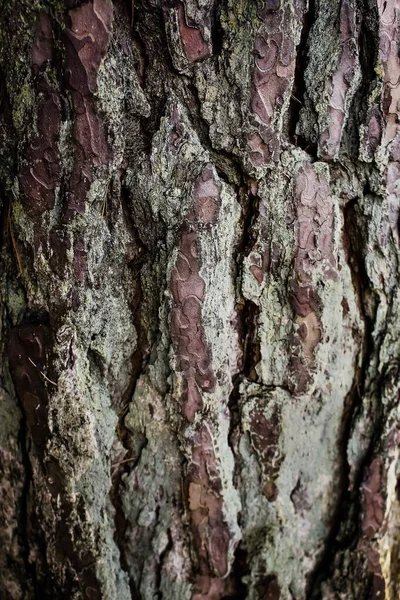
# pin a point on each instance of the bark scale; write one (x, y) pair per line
(199, 281)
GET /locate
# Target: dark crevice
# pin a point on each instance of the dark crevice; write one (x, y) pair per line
(121, 525)
(268, 587)
(251, 211)
(247, 317)
(24, 507)
(143, 60)
(192, 103)
(234, 422)
(149, 126)
(368, 44)
(247, 311)
(345, 529)
(368, 56)
(38, 434)
(251, 344)
(8, 137)
(150, 37)
(10, 265)
(139, 357)
(5, 241)
(240, 570)
(228, 166)
(323, 569)
(162, 557)
(26, 516)
(217, 32)
(299, 85)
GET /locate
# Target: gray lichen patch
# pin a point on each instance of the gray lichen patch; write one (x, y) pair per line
(155, 539)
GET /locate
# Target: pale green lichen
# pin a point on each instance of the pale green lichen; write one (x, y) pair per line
(22, 108)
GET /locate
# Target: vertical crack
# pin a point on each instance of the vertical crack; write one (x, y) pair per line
(299, 85)
(247, 316)
(217, 31)
(138, 361)
(367, 14)
(247, 311)
(345, 529)
(24, 508)
(162, 557)
(10, 268)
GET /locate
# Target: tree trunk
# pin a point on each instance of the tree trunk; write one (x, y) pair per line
(199, 281)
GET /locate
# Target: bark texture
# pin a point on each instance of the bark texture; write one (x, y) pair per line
(199, 280)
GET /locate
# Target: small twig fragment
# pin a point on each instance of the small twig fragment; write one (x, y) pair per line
(41, 372)
(297, 100)
(121, 462)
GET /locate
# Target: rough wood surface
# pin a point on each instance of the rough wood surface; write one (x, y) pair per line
(199, 299)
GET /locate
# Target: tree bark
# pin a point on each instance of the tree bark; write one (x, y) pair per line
(199, 281)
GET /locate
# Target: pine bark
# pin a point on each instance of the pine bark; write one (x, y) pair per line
(199, 280)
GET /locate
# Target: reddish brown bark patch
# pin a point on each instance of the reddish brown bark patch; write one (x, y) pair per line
(91, 149)
(260, 266)
(80, 260)
(210, 532)
(89, 132)
(314, 234)
(275, 55)
(188, 289)
(207, 197)
(373, 505)
(203, 486)
(388, 54)
(268, 588)
(87, 41)
(339, 83)
(264, 434)
(373, 490)
(42, 49)
(194, 45)
(207, 588)
(373, 135)
(262, 146)
(40, 172)
(194, 362)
